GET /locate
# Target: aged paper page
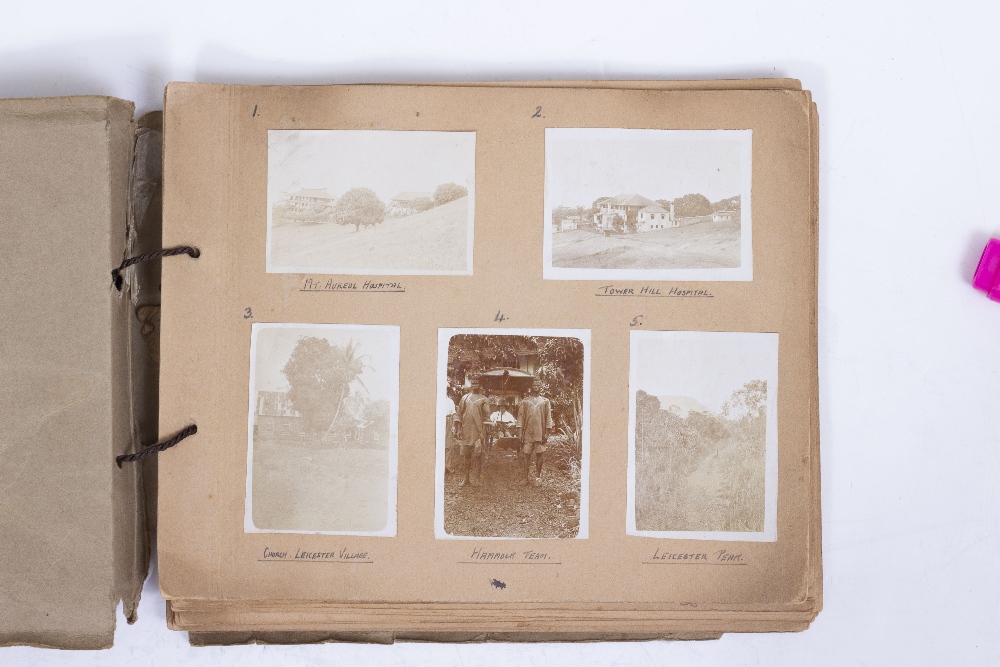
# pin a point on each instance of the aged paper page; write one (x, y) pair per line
(747, 271)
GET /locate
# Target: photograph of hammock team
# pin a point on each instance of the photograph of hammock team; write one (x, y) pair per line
(512, 434)
(322, 451)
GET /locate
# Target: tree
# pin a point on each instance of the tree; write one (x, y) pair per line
(447, 192)
(314, 383)
(747, 402)
(359, 206)
(692, 205)
(423, 204)
(560, 213)
(729, 204)
(376, 414)
(596, 206)
(618, 221)
(560, 365)
(350, 366)
(319, 379)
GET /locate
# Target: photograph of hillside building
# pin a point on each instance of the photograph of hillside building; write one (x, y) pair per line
(322, 429)
(370, 202)
(654, 204)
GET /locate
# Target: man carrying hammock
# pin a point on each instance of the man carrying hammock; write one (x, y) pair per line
(534, 416)
(473, 410)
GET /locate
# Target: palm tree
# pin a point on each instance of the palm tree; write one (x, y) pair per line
(350, 367)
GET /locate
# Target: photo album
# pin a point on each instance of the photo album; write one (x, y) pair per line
(504, 360)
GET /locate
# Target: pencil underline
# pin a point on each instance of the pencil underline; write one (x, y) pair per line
(667, 562)
(314, 560)
(495, 562)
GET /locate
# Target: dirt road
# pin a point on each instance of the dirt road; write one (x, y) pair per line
(705, 245)
(502, 508)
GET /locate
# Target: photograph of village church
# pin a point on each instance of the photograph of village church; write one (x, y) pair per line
(370, 202)
(513, 444)
(703, 435)
(322, 429)
(653, 204)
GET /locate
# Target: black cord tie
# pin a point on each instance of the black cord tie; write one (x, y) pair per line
(116, 274)
(185, 432)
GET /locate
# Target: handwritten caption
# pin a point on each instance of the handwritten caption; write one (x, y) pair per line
(720, 557)
(651, 291)
(480, 556)
(344, 555)
(330, 285)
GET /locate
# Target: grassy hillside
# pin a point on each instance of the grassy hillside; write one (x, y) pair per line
(433, 240)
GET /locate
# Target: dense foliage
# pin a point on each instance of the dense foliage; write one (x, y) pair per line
(560, 213)
(360, 207)
(447, 192)
(692, 205)
(320, 377)
(423, 204)
(728, 204)
(560, 370)
(703, 471)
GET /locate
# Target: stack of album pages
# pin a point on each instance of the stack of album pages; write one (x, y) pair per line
(520, 360)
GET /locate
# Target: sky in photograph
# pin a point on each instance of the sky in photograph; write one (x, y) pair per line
(707, 369)
(378, 347)
(388, 162)
(584, 164)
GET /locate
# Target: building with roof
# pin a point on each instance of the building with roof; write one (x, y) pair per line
(310, 201)
(654, 217)
(637, 212)
(408, 203)
(569, 223)
(274, 415)
(725, 216)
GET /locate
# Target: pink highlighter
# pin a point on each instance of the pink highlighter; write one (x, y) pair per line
(987, 276)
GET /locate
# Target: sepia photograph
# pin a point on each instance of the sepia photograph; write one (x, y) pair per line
(703, 441)
(624, 204)
(512, 433)
(370, 202)
(324, 409)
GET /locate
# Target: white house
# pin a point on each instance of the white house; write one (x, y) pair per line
(654, 217)
(638, 212)
(275, 415)
(724, 216)
(310, 201)
(569, 223)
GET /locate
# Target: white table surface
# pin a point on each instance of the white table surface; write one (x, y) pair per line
(908, 99)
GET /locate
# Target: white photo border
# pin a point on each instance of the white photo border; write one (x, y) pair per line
(444, 338)
(770, 532)
(391, 511)
(270, 266)
(744, 272)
